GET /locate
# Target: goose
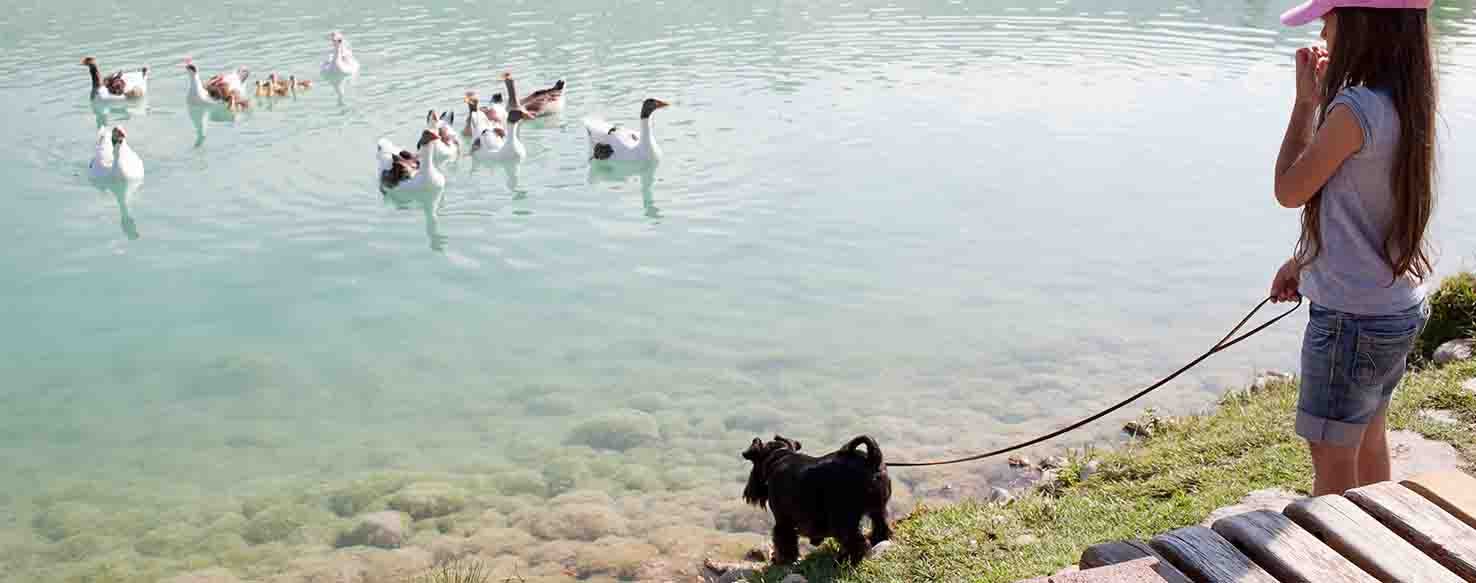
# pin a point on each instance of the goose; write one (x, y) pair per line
(262, 89)
(234, 103)
(115, 161)
(545, 101)
(400, 170)
(277, 86)
(119, 85)
(341, 62)
(197, 94)
(448, 145)
(227, 83)
(502, 145)
(480, 118)
(303, 84)
(613, 143)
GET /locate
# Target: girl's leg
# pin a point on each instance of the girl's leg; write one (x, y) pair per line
(1335, 468)
(1373, 453)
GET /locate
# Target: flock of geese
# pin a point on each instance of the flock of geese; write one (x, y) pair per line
(490, 131)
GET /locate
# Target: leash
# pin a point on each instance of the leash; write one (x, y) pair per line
(1229, 340)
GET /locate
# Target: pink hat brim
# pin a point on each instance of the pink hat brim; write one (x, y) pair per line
(1307, 12)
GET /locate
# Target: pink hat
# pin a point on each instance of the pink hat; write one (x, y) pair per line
(1315, 9)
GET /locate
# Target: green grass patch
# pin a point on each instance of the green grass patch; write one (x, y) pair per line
(1187, 469)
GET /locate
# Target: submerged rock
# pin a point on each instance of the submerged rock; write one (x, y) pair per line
(580, 521)
(275, 524)
(216, 575)
(385, 530)
(618, 430)
(614, 556)
(67, 519)
(1455, 350)
(429, 500)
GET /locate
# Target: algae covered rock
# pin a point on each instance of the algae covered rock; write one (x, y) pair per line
(277, 523)
(582, 521)
(385, 530)
(429, 500)
(67, 519)
(614, 556)
(359, 496)
(520, 482)
(617, 430)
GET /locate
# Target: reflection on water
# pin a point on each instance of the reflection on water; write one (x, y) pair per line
(945, 224)
(122, 191)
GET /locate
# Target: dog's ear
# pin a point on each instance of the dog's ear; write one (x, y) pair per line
(792, 444)
(754, 450)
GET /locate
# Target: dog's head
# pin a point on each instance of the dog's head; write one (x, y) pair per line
(761, 453)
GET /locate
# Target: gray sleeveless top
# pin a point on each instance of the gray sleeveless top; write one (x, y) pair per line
(1357, 205)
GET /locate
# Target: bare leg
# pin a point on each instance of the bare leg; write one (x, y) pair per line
(786, 544)
(1335, 468)
(1373, 453)
(852, 542)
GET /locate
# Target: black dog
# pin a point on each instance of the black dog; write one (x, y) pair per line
(820, 497)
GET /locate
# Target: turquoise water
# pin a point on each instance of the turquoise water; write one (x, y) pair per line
(946, 224)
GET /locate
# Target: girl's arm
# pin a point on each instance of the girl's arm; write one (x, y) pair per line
(1302, 168)
(1309, 155)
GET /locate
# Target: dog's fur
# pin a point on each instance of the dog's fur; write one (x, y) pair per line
(820, 497)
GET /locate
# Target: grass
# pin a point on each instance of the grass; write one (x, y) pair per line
(1188, 468)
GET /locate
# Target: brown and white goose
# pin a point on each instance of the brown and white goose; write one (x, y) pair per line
(544, 101)
(119, 85)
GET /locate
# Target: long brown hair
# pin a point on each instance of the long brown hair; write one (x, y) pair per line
(1388, 51)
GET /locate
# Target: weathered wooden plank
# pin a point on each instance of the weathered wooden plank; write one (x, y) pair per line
(1113, 553)
(1454, 491)
(1357, 536)
(1142, 570)
(1286, 551)
(1207, 558)
(1446, 539)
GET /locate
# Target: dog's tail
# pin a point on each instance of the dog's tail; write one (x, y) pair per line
(873, 451)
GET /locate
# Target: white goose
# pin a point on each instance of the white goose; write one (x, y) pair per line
(503, 143)
(118, 86)
(448, 145)
(480, 118)
(218, 88)
(341, 62)
(609, 142)
(399, 170)
(115, 161)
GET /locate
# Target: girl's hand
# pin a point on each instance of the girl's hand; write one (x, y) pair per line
(1284, 284)
(1311, 63)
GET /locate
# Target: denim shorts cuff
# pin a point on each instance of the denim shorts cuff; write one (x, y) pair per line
(1328, 432)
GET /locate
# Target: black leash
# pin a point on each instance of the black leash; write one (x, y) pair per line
(1223, 344)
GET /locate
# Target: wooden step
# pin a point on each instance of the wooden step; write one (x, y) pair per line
(1206, 557)
(1440, 535)
(1143, 570)
(1453, 491)
(1286, 550)
(1355, 535)
(1113, 553)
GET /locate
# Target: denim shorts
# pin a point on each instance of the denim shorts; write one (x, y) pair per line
(1350, 366)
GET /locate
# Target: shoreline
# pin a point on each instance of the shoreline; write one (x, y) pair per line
(1242, 452)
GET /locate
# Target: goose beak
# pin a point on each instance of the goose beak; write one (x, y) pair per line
(660, 104)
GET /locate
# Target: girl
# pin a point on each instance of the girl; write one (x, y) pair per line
(1358, 159)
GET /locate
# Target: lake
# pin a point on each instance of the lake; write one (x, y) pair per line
(950, 225)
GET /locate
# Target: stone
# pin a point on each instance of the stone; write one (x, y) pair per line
(1267, 378)
(759, 554)
(1273, 499)
(737, 575)
(999, 495)
(1053, 463)
(1469, 386)
(1455, 350)
(424, 500)
(1439, 416)
(1024, 540)
(1411, 454)
(1138, 429)
(618, 430)
(1049, 479)
(1088, 470)
(882, 548)
(385, 530)
(216, 575)
(1019, 461)
(796, 578)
